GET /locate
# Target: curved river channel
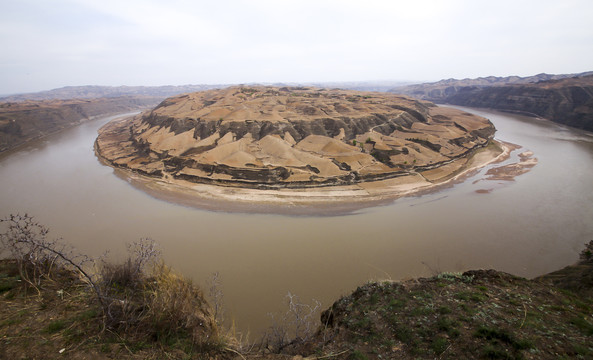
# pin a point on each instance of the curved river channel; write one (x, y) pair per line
(535, 224)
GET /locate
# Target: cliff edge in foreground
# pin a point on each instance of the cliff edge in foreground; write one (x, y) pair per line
(479, 314)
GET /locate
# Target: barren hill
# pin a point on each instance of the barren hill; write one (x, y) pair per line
(270, 137)
(565, 99)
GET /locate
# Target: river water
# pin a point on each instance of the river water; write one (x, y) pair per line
(532, 225)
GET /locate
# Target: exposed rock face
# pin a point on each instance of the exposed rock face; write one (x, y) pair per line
(568, 101)
(24, 121)
(565, 100)
(267, 137)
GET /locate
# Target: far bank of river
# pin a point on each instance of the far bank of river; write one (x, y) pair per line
(531, 225)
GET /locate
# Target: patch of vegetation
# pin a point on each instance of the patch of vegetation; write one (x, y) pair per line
(358, 355)
(477, 314)
(55, 326)
(432, 146)
(439, 345)
(471, 295)
(502, 335)
(495, 352)
(248, 91)
(583, 325)
(384, 156)
(8, 283)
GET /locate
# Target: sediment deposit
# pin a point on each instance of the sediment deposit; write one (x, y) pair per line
(294, 138)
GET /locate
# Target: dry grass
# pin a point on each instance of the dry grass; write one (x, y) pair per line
(160, 305)
(174, 306)
(139, 301)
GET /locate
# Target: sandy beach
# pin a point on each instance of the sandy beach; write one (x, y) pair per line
(323, 200)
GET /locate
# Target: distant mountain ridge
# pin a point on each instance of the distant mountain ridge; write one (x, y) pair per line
(97, 91)
(565, 99)
(442, 89)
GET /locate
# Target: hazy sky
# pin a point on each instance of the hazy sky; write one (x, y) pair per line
(46, 44)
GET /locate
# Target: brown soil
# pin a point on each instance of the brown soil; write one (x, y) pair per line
(293, 138)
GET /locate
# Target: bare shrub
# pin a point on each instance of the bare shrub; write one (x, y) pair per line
(143, 253)
(302, 317)
(25, 240)
(135, 302)
(120, 277)
(295, 326)
(130, 274)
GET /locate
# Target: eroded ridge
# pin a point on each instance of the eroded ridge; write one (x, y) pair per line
(272, 138)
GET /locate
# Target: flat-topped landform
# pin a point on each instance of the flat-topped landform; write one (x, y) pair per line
(271, 138)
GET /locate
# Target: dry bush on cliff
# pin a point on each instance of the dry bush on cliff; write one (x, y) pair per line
(149, 300)
(140, 299)
(175, 306)
(296, 326)
(25, 241)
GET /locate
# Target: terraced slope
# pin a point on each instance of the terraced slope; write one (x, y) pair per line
(268, 137)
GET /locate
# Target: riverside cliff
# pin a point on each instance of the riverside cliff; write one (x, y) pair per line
(564, 99)
(33, 119)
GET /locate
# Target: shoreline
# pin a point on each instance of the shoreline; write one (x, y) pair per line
(331, 200)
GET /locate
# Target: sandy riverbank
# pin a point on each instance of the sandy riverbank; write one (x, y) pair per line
(323, 200)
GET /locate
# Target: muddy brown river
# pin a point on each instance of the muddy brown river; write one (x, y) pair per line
(529, 226)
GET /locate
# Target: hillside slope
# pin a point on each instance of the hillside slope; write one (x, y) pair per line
(563, 99)
(567, 101)
(24, 121)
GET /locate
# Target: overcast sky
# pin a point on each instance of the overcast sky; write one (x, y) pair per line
(47, 44)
